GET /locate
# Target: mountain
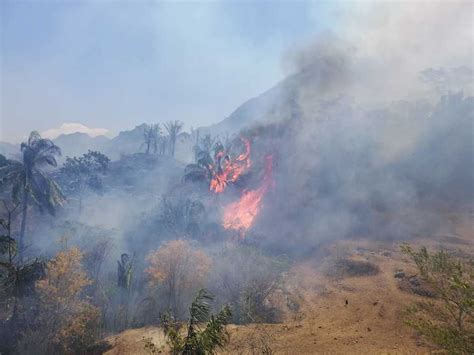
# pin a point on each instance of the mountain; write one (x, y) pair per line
(303, 93)
(273, 105)
(75, 144)
(11, 151)
(283, 101)
(71, 145)
(126, 142)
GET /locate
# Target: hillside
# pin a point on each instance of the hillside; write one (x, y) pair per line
(273, 105)
(328, 310)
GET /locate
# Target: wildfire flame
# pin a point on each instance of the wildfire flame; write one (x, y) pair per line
(241, 214)
(229, 171)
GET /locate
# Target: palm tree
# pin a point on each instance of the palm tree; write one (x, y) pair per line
(206, 165)
(173, 128)
(30, 183)
(199, 340)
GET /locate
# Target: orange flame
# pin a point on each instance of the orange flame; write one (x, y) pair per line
(229, 171)
(240, 215)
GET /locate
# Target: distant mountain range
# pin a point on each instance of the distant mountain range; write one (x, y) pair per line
(269, 106)
(280, 102)
(74, 144)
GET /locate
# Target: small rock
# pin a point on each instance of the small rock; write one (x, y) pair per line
(399, 274)
(375, 303)
(414, 281)
(368, 329)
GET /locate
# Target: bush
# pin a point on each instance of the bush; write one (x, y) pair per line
(178, 270)
(65, 321)
(246, 278)
(449, 322)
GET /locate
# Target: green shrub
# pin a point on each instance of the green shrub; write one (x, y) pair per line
(447, 322)
(205, 331)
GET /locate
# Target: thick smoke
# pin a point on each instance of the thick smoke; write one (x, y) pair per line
(381, 145)
(372, 137)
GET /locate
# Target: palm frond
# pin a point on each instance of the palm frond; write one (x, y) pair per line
(200, 309)
(215, 334)
(45, 152)
(46, 192)
(33, 138)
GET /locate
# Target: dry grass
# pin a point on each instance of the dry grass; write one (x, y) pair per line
(361, 312)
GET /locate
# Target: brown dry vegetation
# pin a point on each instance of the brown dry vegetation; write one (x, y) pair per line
(326, 314)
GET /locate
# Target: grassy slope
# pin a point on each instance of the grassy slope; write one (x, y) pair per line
(324, 323)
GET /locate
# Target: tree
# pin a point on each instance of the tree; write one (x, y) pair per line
(17, 284)
(179, 269)
(124, 272)
(195, 136)
(450, 322)
(65, 321)
(182, 217)
(199, 341)
(30, 183)
(86, 171)
(163, 145)
(152, 135)
(7, 243)
(173, 128)
(16, 280)
(207, 143)
(207, 164)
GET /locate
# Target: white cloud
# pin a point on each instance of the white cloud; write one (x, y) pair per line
(68, 128)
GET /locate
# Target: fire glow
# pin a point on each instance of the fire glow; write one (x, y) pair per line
(241, 214)
(227, 170)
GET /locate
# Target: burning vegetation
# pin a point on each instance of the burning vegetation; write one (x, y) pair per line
(225, 170)
(241, 214)
(96, 246)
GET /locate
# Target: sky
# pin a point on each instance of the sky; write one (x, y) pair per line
(106, 66)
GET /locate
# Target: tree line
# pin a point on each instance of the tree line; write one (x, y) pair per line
(156, 142)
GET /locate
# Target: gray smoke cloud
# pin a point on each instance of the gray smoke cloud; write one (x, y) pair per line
(370, 141)
(381, 145)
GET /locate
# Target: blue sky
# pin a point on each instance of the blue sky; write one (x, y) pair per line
(116, 64)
